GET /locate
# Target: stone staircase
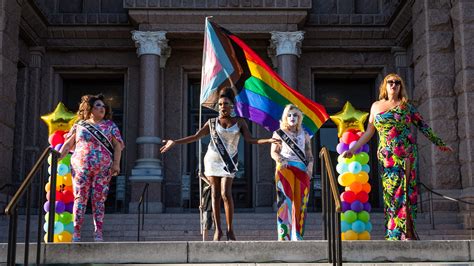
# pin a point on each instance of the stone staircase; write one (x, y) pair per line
(248, 227)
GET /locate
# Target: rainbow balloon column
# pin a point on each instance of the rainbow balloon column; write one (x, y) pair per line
(353, 175)
(59, 122)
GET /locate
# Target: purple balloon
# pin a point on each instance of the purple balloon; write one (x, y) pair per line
(367, 207)
(69, 207)
(60, 206)
(357, 206)
(46, 206)
(365, 148)
(58, 146)
(341, 147)
(346, 206)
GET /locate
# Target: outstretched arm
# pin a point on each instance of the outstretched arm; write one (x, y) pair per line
(248, 137)
(418, 121)
(168, 144)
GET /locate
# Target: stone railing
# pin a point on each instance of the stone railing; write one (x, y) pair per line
(216, 4)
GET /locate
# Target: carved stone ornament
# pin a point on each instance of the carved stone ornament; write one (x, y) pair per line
(287, 42)
(150, 42)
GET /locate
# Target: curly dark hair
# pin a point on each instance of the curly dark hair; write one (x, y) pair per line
(87, 103)
(227, 93)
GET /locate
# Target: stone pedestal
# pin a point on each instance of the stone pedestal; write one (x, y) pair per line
(152, 45)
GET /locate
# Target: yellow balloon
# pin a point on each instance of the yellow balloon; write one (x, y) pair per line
(47, 187)
(343, 236)
(67, 180)
(351, 235)
(346, 179)
(364, 236)
(60, 119)
(65, 237)
(349, 118)
(362, 177)
(59, 181)
(55, 238)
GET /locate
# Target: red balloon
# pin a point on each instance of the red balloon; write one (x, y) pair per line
(348, 196)
(59, 195)
(67, 196)
(362, 196)
(56, 138)
(348, 137)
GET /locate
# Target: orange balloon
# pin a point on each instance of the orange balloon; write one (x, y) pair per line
(68, 188)
(351, 235)
(366, 187)
(47, 187)
(65, 237)
(356, 187)
(55, 238)
(67, 180)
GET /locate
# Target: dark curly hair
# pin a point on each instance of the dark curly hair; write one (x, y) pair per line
(87, 103)
(227, 93)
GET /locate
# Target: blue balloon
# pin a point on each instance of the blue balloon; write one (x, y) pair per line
(368, 227)
(58, 228)
(345, 226)
(69, 227)
(365, 148)
(358, 226)
(354, 167)
(366, 168)
(345, 206)
(341, 168)
(63, 169)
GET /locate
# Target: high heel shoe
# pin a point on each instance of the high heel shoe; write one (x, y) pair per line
(230, 236)
(217, 236)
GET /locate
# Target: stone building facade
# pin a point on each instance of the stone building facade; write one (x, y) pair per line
(145, 55)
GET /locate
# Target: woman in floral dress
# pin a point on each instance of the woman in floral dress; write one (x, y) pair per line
(98, 146)
(392, 117)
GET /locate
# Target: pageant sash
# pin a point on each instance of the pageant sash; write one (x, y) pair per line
(293, 146)
(229, 162)
(98, 135)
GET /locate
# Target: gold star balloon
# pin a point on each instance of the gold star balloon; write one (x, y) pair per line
(60, 119)
(349, 118)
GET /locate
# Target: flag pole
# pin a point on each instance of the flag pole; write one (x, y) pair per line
(200, 142)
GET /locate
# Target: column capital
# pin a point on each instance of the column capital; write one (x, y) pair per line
(36, 56)
(287, 42)
(400, 55)
(150, 42)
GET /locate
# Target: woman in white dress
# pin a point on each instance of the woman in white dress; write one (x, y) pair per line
(220, 164)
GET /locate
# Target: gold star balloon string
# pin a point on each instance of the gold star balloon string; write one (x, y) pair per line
(353, 174)
(59, 123)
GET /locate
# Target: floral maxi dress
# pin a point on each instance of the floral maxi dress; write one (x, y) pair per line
(396, 145)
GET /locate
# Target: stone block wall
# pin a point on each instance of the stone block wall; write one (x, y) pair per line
(10, 12)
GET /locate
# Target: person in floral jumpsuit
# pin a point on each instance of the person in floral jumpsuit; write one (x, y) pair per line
(392, 117)
(92, 164)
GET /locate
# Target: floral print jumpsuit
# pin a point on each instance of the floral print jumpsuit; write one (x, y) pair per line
(397, 144)
(91, 170)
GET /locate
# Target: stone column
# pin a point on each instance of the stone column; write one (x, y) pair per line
(434, 78)
(288, 49)
(401, 66)
(463, 23)
(148, 169)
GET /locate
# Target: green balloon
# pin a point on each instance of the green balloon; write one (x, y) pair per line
(65, 217)
(362, 158)
(363, 216)
(66, 160)
(46, 217)
(350, 216)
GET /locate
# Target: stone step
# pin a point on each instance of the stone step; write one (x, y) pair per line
(251, 252)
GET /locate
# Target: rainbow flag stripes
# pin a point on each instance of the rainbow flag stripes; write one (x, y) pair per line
(261, 93)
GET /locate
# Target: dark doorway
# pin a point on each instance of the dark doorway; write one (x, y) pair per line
(242, 184)
(333, 94)
(113, 89)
